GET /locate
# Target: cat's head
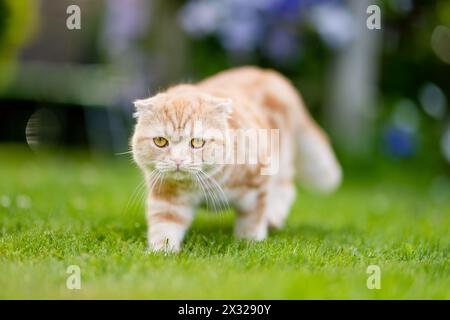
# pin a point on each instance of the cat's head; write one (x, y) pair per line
(181, 133)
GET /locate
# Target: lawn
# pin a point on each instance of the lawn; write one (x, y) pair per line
(62, 209)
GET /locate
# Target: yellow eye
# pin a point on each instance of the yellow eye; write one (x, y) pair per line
(160, 142)
(197, 143)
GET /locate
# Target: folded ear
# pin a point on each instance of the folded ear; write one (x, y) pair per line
(143, 105)
(223, 105)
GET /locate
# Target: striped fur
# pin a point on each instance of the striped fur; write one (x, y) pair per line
(243, 98)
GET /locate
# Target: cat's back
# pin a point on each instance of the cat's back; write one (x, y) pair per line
(243, 80)
(263, 93)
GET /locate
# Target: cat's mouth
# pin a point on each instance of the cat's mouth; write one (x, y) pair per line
(180, 174)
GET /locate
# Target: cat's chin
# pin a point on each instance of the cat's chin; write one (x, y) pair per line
(179, 176)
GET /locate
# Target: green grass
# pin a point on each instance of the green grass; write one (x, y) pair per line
(66, 209)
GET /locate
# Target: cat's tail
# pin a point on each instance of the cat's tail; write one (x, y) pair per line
(317, 165)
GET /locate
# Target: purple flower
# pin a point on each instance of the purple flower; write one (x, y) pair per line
(243, 26)
(334, 23)
(241, 32)
(201, 18)
(281, 46)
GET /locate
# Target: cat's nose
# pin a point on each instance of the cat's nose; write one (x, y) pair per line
(177, 163)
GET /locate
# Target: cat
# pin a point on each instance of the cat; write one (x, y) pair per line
(178, 159)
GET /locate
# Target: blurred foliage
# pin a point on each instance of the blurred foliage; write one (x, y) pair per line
(18, 20)
(169, 44)
(407, 65)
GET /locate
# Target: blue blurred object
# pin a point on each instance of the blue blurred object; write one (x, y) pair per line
(270, 25)
(287, 8)
(399, 142)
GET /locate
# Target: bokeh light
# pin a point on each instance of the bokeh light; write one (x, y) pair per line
(440, 42)
(433, 100)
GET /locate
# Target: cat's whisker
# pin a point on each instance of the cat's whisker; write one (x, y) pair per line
(212, 190)
(142, 197)
(123, 153)
(155, 180)
(134, 198)
(222, 194)
(152, 177)
(161, 181)
(127, 154)
(216, 196)
(194, 174)
(204, 189)
(142, 193)
(212, 194)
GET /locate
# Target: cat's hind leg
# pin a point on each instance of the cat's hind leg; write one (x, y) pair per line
(281, 189)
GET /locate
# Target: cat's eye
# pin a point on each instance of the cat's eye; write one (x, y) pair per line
(197, 143)
(160, 142)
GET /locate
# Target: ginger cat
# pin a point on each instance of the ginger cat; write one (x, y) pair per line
(180, 134)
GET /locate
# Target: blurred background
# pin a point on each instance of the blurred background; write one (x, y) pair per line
(383, 95)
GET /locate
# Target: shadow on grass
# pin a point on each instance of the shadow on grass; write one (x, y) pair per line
(214, 235)
(218, 238)
(318, 232)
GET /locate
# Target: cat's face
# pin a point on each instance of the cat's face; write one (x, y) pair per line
(180, 135)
